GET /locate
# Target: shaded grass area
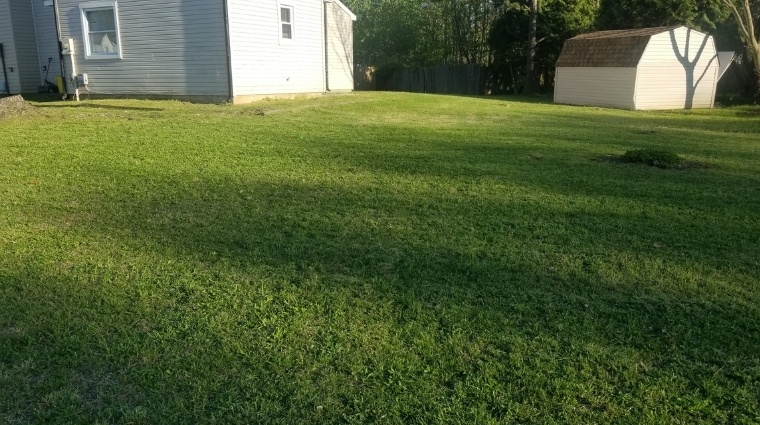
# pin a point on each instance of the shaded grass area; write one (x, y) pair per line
(377, 258)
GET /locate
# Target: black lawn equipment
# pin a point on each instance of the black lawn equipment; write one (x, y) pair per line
(47, 86)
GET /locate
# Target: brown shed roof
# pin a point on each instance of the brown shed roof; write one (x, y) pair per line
(617, 48)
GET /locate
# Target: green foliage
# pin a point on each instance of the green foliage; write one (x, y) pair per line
(558, 21)
(746, 17)
(704, 15)
(655, 157)
(403, 33)
(507, 41)
(389, 32)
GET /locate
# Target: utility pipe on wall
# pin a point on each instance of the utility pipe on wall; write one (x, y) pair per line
(228, 42)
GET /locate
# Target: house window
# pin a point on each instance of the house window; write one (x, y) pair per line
(286, 23)
(100, 29)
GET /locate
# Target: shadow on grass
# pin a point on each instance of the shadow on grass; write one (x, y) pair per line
(250, 300)
(536, 99)
(668, 123)
(485, 271)
(550, 171)
(100, 106)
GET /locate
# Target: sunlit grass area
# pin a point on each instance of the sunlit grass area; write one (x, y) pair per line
(377, 258)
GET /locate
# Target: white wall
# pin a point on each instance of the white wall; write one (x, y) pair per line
(595, 86)
(665, 67)
(340, 48)
(261, 63)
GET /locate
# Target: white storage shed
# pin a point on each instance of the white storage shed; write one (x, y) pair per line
(649, 68)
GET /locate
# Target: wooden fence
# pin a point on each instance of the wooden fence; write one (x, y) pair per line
(443, 79)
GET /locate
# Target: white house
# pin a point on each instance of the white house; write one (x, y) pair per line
(650, 68)
(207, 50)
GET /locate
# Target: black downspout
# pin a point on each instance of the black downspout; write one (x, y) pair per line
(5, 71)
(60, 49)
(227, 37)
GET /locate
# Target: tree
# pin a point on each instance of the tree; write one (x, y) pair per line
(702, 15)
(557, 20)
(392, 33)
(742, 13)
(402, 33)
(530, 70)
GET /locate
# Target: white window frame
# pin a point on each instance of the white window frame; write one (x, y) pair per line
(292, 24)
(93, 6)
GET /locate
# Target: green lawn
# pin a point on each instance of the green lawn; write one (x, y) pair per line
(377, 258)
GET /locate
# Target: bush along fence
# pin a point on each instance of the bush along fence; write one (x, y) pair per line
(365, 78)
(443, 79)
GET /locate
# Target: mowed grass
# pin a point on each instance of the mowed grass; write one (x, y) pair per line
(377, 258)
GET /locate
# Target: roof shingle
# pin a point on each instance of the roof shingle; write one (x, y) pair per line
(617, 48)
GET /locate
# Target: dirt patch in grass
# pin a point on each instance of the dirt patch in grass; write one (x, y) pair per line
(14, 105)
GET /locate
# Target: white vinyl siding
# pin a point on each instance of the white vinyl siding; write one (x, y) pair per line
(171, 48)
(667, 90)
(340, 48)
(663, 77)
(9, 47)
(261, 64)
(596, 86)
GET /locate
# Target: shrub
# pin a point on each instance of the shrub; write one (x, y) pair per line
(657, 158)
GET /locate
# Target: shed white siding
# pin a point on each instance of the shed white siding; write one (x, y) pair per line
(678, 69)
(599, 86)
(262, 64)
(171, 47)
(47, 39)
(648, 68)
(9, 47)
(340, 48)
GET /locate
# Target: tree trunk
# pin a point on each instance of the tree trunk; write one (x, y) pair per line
(742, 11)
(753, 49)
(756, 59)
(753, 44)
(531, 85)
